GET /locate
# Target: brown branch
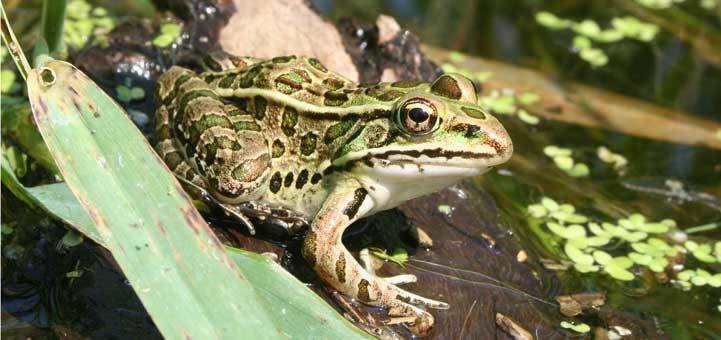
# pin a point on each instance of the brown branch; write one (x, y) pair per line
(592, 107)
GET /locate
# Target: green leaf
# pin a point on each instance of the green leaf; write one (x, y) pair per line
(399, 256)
(580, 328)
(570, 232)
(71, 238)
(171, 29)
(537, 210)
(163, 40)
(619, 273)
(59, 201)
(576, 255)
(563, 162)
(150, 226)
(7, 77)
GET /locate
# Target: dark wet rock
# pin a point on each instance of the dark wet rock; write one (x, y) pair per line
(385, 52)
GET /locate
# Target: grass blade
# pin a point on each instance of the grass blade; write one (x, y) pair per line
(180, 271)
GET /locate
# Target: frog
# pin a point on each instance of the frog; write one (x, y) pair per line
(286, 136)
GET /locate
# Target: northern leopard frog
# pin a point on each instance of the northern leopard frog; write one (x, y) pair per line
(287, 136)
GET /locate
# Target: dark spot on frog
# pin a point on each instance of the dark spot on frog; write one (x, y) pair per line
(309, 247)
(472, 112)
(260, 105)
(282, 60)
(275, 182)
(278, 148)
(317, 65)
(363, 294)
(358, 197)
(308, 144)
(372, 188)
(340, 268)
(302, 179)
(447, 86)
(288, 179)
(403, 298)
(316, 178)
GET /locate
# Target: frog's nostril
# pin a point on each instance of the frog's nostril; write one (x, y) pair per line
(473, 131)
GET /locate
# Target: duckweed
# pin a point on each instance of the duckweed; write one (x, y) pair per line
(658, 4)
(589, 30)
(571, 232)
(128, 94)
(456, 57)
(7, 78)
(528, 98)
(501, 104)
(505, 102)
(82, 22)
(563, 160)
(528, 118)
(480, 75)
(607, 156)
(576, 327)
(584, 240)
(169, 33)
(399, 255)
(444, 209)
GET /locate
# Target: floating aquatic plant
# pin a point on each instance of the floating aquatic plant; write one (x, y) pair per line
(584, 241)
(169, 33)
(588, 31)
(399, 255)
(83, 21)
(576, 327)
(607, 156)
(563, 160)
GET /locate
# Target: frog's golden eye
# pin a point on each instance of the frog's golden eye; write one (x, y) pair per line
(417, 117)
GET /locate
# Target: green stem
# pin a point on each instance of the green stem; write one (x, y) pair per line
(703, 227)
(16, 52)
(51, 24)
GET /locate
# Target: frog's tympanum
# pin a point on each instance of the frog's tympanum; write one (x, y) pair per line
(287, 136)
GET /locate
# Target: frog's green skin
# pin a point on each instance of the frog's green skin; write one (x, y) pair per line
(289, 133)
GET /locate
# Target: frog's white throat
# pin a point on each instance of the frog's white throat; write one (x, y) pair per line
(394, 183)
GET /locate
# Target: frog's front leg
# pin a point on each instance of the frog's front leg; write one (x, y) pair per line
(324, 250)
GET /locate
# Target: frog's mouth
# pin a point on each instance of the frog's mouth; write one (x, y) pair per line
(394, 175)
(433, 158)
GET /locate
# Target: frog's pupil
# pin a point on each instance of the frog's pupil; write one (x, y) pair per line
(418, 115)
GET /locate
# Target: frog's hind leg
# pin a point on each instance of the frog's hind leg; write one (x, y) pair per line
(210, 144)
(324, 250)
(187, 173)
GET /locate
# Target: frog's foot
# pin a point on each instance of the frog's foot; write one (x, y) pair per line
(195, 185)
(237, 213)
(336, 266)
(291, 221)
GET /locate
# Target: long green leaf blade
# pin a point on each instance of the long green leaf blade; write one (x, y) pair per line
(180, 271)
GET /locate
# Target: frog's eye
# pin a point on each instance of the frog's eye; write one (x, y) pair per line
(417, 117)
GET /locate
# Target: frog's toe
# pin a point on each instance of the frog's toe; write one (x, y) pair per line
(422, 320)
(400, 279)
(417, 300)
(235, 212)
